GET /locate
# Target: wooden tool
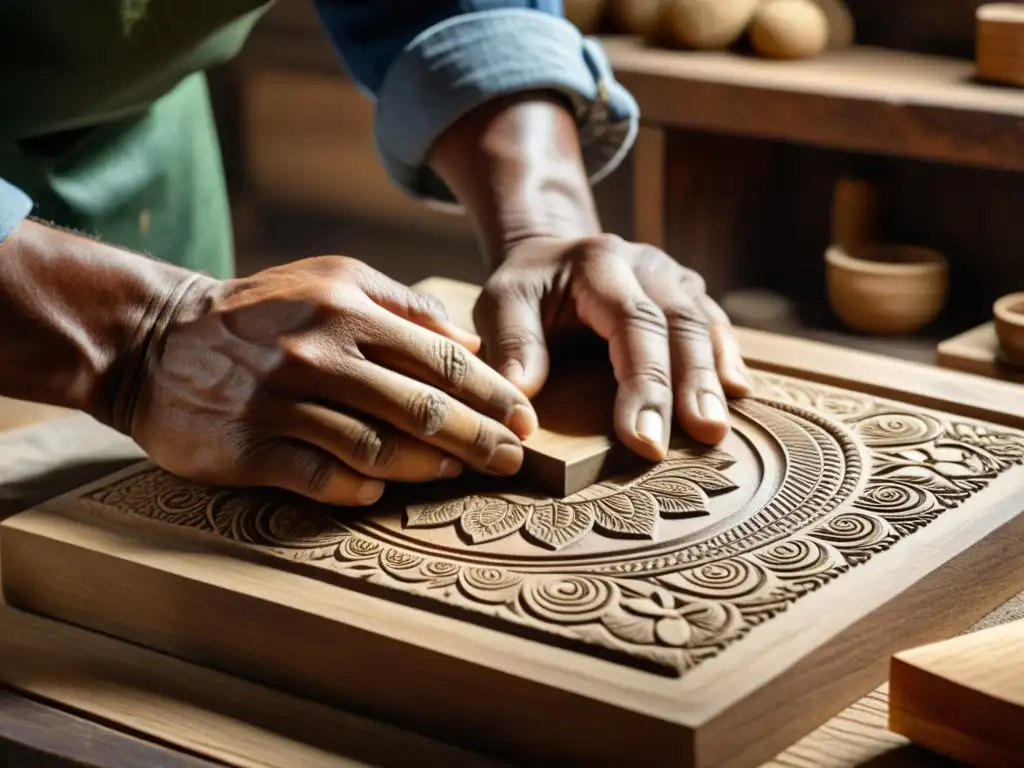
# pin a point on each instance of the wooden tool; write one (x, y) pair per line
(999, 45)
(964, 697)
(707, 611)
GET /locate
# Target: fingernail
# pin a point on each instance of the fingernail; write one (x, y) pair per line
(450, 468)
(370, 492)
(523, 421)
(650, 427)
(506, 459)
(513, 371)
(711, 407)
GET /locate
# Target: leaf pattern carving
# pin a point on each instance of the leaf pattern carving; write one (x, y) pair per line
(433, 515)
(709, 479)
(558, 525)
(634, 513)
(493, 519)
(675, 494)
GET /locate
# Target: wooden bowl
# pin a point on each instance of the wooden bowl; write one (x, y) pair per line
(880, 288)
(999, 43)
(1008, 313)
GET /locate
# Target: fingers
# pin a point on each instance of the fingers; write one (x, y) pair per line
(732, 371)
(429, 416)
(308, 471)
(610, 300)
(700, 401)
(418, 307)
(513, 333)
(372, 449)
(450, 367)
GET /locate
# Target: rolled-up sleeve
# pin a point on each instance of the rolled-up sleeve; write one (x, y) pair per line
(429, 62)
(15, 205)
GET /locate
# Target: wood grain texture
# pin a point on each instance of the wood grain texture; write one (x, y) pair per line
(707, 662)
(33, 734)
(964, 697)
(860, 99)
(194, 709)
(977, 351)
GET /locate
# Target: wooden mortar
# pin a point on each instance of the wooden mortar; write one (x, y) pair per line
(1008, 313)
(879, 288)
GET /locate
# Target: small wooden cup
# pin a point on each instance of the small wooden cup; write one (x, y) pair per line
(999, 43)
(1008, 313)
(885, 289)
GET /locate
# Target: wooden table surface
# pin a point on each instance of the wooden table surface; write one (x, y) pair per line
(35, 734)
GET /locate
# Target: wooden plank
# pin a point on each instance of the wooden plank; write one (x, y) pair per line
(964, 697)
(715, 627)
(35, 734)
(862, 99)
(977, 351)
(194, 709)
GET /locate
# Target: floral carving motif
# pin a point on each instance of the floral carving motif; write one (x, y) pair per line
(667, 611)
(677, 487)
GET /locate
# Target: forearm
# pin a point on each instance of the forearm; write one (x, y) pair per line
(516, 165)
(75, 316)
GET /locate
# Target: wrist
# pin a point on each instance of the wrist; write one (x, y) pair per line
(81, 313)
(517, 167)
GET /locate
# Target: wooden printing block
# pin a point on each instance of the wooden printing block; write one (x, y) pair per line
(706, 611)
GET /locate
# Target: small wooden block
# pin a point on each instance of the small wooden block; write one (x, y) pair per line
(964, 697)
(977, 351)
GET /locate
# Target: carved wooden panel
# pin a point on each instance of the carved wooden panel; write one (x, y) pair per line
(713, 608)
(662, 568)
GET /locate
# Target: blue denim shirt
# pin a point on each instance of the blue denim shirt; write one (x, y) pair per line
(429, 62)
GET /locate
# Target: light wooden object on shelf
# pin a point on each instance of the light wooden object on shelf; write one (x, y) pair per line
(789, 29)
(964, 697)
(705, 24)
(999, 45)
(977, 351)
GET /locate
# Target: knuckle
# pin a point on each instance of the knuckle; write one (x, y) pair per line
(425, 304)
(484, 442)
(316, 474)
(653, 374)
(644, 315)
(429, 411)
(452, 361)
(375, 447)
(510, 340)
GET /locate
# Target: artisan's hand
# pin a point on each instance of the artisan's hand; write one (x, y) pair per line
(325, 378)
(668, 341)
(517, 165)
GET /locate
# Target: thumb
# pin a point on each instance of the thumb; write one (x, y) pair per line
(513, 333)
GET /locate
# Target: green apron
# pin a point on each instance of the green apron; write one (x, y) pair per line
(106, 120)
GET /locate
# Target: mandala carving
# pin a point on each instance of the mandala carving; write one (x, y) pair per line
(662, 569)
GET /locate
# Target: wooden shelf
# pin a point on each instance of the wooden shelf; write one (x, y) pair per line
(860, 99)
